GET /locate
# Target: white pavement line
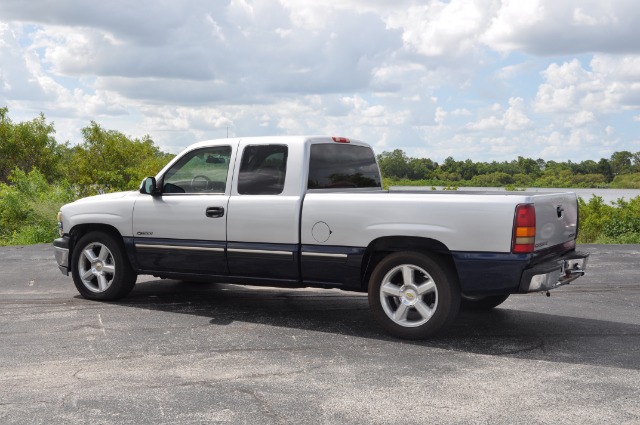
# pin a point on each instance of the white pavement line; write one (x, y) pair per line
(104, 332)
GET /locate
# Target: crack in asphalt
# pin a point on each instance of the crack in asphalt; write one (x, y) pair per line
(264, 405)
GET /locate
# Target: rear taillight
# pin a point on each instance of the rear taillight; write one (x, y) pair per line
(341, 140)
(524, 229)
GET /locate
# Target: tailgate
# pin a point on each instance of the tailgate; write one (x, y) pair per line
(556, 219)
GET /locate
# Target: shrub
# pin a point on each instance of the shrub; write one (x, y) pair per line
(28, 207)
(592, 218)
(616, 223)
(626, 181)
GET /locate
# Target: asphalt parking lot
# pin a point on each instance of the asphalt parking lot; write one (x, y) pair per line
(177, 353)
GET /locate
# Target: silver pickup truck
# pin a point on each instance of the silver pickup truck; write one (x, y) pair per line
(311, 212)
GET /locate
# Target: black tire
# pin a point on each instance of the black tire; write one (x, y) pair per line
(100, 267)
(413, 295)
(486, 302)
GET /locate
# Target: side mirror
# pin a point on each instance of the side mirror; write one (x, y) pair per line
(149, 187)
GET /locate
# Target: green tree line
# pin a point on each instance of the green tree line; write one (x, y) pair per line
(38, 174)
(621, 170)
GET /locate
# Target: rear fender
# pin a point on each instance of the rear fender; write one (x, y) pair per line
(381, 247)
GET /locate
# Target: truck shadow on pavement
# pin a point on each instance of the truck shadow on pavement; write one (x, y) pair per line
(499, 332)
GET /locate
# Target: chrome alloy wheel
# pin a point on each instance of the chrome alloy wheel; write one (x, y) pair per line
(96, 267)
(408, 295)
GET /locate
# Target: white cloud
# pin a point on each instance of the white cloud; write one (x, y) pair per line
(441, 115)
(567, 144)
(514, 118)
(610, 85)
(625, 68)
(461, 112)
(545, 27)
(481, 79)
(609, 130)
(250, 45)
(16, 77)
(513, 71)
(580, 118)
(512, 18)
(442, 29)
(582, 17)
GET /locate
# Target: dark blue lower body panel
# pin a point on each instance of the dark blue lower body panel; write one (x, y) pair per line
(261, 260)
(490, 273)
(306, 265)
(253, 263)
(332, 266)
(183, 256)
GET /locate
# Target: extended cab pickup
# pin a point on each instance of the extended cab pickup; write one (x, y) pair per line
(311, 211)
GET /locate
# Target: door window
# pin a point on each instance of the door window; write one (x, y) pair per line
(200, 171)
(263, 170)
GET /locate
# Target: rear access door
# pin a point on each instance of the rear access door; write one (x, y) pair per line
(264, 210)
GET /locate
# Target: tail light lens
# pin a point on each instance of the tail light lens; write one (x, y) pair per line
(524, 229)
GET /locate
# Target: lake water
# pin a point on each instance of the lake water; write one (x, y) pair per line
(608, 195)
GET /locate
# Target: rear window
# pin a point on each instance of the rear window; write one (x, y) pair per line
(342, 166)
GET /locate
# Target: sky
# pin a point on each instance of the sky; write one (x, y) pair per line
(487, 80)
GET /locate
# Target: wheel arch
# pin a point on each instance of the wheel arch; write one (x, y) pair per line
(384, 246)
(80, 230)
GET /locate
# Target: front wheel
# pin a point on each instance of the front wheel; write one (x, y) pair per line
(101, 270)
(413, 295)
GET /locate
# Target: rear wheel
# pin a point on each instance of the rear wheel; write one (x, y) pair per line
(101, 270)
(486, 302)
(413, 295)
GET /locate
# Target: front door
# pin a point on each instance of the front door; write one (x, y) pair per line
(184, 229)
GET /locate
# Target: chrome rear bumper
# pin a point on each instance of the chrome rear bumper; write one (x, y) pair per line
(553, 274)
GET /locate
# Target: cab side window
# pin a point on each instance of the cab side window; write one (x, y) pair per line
(200, 171)
(263, 170)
